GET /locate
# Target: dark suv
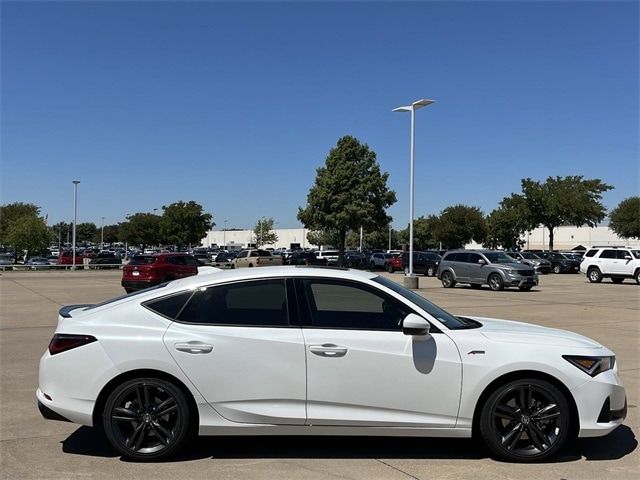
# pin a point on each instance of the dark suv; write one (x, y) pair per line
(423, 262)
(145, 271)
(560, 263)
(480, 267)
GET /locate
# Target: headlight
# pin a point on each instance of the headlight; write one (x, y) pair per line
(591, 365)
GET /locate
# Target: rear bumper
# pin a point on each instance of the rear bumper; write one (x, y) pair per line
(138, 284)
(49, 414)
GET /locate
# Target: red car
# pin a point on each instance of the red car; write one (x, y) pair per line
(395, 263)
(145, 271)
(66, 258)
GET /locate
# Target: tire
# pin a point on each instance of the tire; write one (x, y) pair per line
(495, 282)
(617, 279)
(637, 276)
(557, 269)
(447, 280)
(134, 424)
(525, 288)
(431, 271)
(390, 268)
(372, 266)
(526, 420)
(251, 265)
(594, 275)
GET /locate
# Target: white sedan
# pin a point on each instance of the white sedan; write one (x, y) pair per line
(317, 351)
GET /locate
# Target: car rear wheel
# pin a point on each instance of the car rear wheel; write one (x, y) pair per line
(557, 269)
(447, 280)
(390, 268)
(431, 271)
(637, 276)
(526, 420)
(495, 282)
(594, 275)
(146, 419)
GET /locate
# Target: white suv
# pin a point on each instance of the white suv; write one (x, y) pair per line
(616, 263)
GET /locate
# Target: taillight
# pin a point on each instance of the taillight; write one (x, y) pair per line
(61, 342)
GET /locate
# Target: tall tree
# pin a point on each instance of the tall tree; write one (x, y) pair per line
(140, 229)
(568, 200)
(349, 192)
(459, 224)
(85, 232)
(185, 223)
(11, 212)
(508, 222)
(263, 232)
(60, 232)
(624, 220)
(28, 233)
(321, 237)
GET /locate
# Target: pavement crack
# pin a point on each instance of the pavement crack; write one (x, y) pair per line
(397, 469)
(35, 292)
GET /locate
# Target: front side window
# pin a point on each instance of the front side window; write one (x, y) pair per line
(622, 254)
(259, 303)
(343, 305)
(473, 258)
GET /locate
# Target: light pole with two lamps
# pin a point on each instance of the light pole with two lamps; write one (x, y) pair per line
(410, 280)
(75, 221)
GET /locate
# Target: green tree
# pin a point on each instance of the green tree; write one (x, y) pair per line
(85, 232)
(424, 233)
(28, 233)
(624, 220)
(322, 237)
(140, 229)
(459, 224)
(60, 232)
(263, 232)
(378, 239)
(507, 223)
(11, 212)
(185, 223)
(568, 200)
(349, 192)
(111, 234)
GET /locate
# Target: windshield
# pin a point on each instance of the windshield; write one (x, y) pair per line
(498, 257)
(530, 256)
(448, 320)
(636, 253)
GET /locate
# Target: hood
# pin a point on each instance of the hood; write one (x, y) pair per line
(518, 332)
(511, 265)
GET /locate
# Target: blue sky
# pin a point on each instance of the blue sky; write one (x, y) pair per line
(235, 105)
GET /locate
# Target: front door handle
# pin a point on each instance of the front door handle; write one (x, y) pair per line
(328, 350)
(194, 347)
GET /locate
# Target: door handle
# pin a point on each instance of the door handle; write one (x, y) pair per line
(328, 350)
(194, 347)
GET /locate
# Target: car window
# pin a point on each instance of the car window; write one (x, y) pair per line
(169, 306)
(473, 258)
(608, 254)
(624, 253)
(636, 253)
(193, 261)
(590, 253)
(259, 303)
(142, 260)
(177, 260)
(498, 257)
(344, 305)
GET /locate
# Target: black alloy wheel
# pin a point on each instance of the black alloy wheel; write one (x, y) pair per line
(146, 419)
(526, 421)
(495, 282)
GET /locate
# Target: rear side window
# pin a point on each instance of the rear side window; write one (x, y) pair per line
(142, 260)
(608, 254)
(170, 306)
(264, 253)
(590, 253)
(260, 303)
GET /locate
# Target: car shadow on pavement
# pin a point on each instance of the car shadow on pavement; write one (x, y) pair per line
(90, 442)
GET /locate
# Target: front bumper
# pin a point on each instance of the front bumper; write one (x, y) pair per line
(518, 281)
(602, 405)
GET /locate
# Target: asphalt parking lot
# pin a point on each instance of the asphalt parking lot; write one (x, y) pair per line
(31, 447)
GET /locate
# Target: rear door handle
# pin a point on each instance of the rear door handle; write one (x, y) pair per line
(328, 350)
(194, 347)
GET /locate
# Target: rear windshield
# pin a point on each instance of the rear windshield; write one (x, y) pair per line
(142, 260)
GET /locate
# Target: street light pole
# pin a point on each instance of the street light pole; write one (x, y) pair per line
(224, 235)
(102, 235)
(75, 221)
(412, 281)
(389, 237)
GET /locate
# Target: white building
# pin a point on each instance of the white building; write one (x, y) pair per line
(568, 237)
(235, 239)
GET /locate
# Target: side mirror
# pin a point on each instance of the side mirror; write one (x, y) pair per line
(415, 325)
(481, 261)
(627, 257)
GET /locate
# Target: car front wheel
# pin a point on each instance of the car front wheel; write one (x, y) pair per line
(447, 280)
(594, 275)
(431, 271)
(557, 269)
(525, 420)
(390, 269)
(146, 419)
(495, 282)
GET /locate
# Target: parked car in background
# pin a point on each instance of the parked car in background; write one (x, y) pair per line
(330, 255)
(540, 265)
(560, 263)
(222, 260)
(616, 263)
(105, 260)
(395, 264)
(6, 262)
(485, 267)
(66, 258)
(38, 262)
(355, 259)
(425, 263)
(301, 257)
(255, 258)
(145, 271)
(379, 260)
(307, 351)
